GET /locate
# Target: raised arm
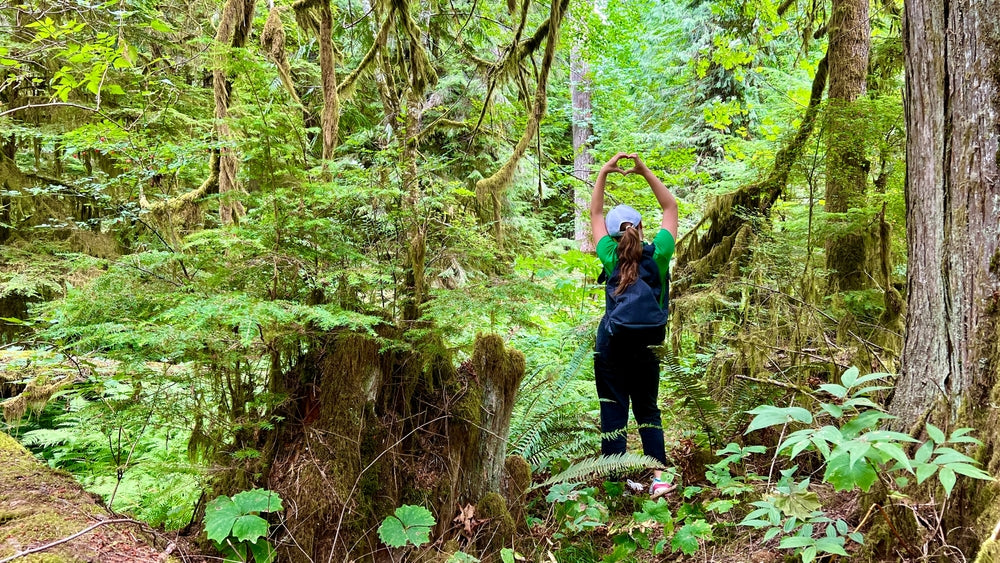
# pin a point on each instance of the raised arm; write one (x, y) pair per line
(666, 199)
(597, 226)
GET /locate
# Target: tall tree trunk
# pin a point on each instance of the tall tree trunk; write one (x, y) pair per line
(233, 31)
(951, 352)
(846, 166)
(327, 64)
(416, 231)
(583, 160)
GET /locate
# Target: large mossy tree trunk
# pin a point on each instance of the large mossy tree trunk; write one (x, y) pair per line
(371, 426)
(847, 253)
(951, 353)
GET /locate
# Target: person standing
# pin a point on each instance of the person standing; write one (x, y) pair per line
(626, 369)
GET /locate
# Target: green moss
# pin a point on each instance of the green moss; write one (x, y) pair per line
(518, 477)
(499, 528)
(40, 505)
(989, 552)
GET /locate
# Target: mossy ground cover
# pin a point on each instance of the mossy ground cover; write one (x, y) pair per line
(39, 505)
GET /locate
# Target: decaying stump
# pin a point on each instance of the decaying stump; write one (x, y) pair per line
(371, 425)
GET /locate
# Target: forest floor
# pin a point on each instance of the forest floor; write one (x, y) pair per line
(40, 506)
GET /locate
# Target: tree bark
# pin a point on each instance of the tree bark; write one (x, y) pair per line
(327, 62)
(846, 165)
(234, 29)
(951, 354)
(583, 160)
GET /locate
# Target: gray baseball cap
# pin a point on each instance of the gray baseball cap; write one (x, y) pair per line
(618, 216)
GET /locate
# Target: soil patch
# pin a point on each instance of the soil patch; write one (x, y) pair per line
(39, 505)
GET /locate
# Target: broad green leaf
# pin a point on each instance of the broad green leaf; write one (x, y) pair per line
(895, 452)
(947, 478)
(411, 524)
(850, 377)
(161, 26)
(770, 534)
(412, 515)
(831, 545)
(799, 504)
(258, 500)
(844, 475)
(767, 415)
(234, 552)
(925, 470)
(686, 539)
(870, 377)
(833, 410)
(720, 506)
(949, 455)
(796, 541)
(838, 391)
(841, 526)
(461, 557)
(970, 471)
(249, 527)
(391, 532)
(885, 435)
(220, 515)
(508, 555)
(263, 551)
(864, 421)
(935, 433)
(959, 437)
(859, 402)
(923, 453)
(658, 511)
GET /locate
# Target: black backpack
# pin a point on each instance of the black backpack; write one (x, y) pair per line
(638, 307)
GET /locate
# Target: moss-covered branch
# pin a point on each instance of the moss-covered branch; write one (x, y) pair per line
(492, 186)
(729, 216)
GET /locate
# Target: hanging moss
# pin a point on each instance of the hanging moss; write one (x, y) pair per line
(272, 40)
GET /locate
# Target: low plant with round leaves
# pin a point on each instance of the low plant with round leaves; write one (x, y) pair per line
(235, 526)
(410, 525)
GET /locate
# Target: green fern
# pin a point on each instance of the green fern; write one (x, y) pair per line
(602, 465)
(694, 395)
(546, 422)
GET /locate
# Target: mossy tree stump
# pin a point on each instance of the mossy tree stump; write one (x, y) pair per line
(372, 423)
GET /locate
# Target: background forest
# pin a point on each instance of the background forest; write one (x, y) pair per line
(311, 280)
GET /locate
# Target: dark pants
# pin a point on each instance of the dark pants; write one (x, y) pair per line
(626, 369)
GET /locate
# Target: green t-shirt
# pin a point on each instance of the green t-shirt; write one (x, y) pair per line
(607, 251)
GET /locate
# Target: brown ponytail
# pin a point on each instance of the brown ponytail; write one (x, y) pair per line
(629, 255)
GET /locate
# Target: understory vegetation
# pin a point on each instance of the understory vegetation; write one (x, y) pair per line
(286, 279)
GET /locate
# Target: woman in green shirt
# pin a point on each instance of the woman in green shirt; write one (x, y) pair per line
(625, 368)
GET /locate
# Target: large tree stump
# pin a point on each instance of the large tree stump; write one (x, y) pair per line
(372, 423)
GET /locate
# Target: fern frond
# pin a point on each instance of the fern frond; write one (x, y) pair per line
(694, 395)
(602, 465)
(550, 406)
(564, 442)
